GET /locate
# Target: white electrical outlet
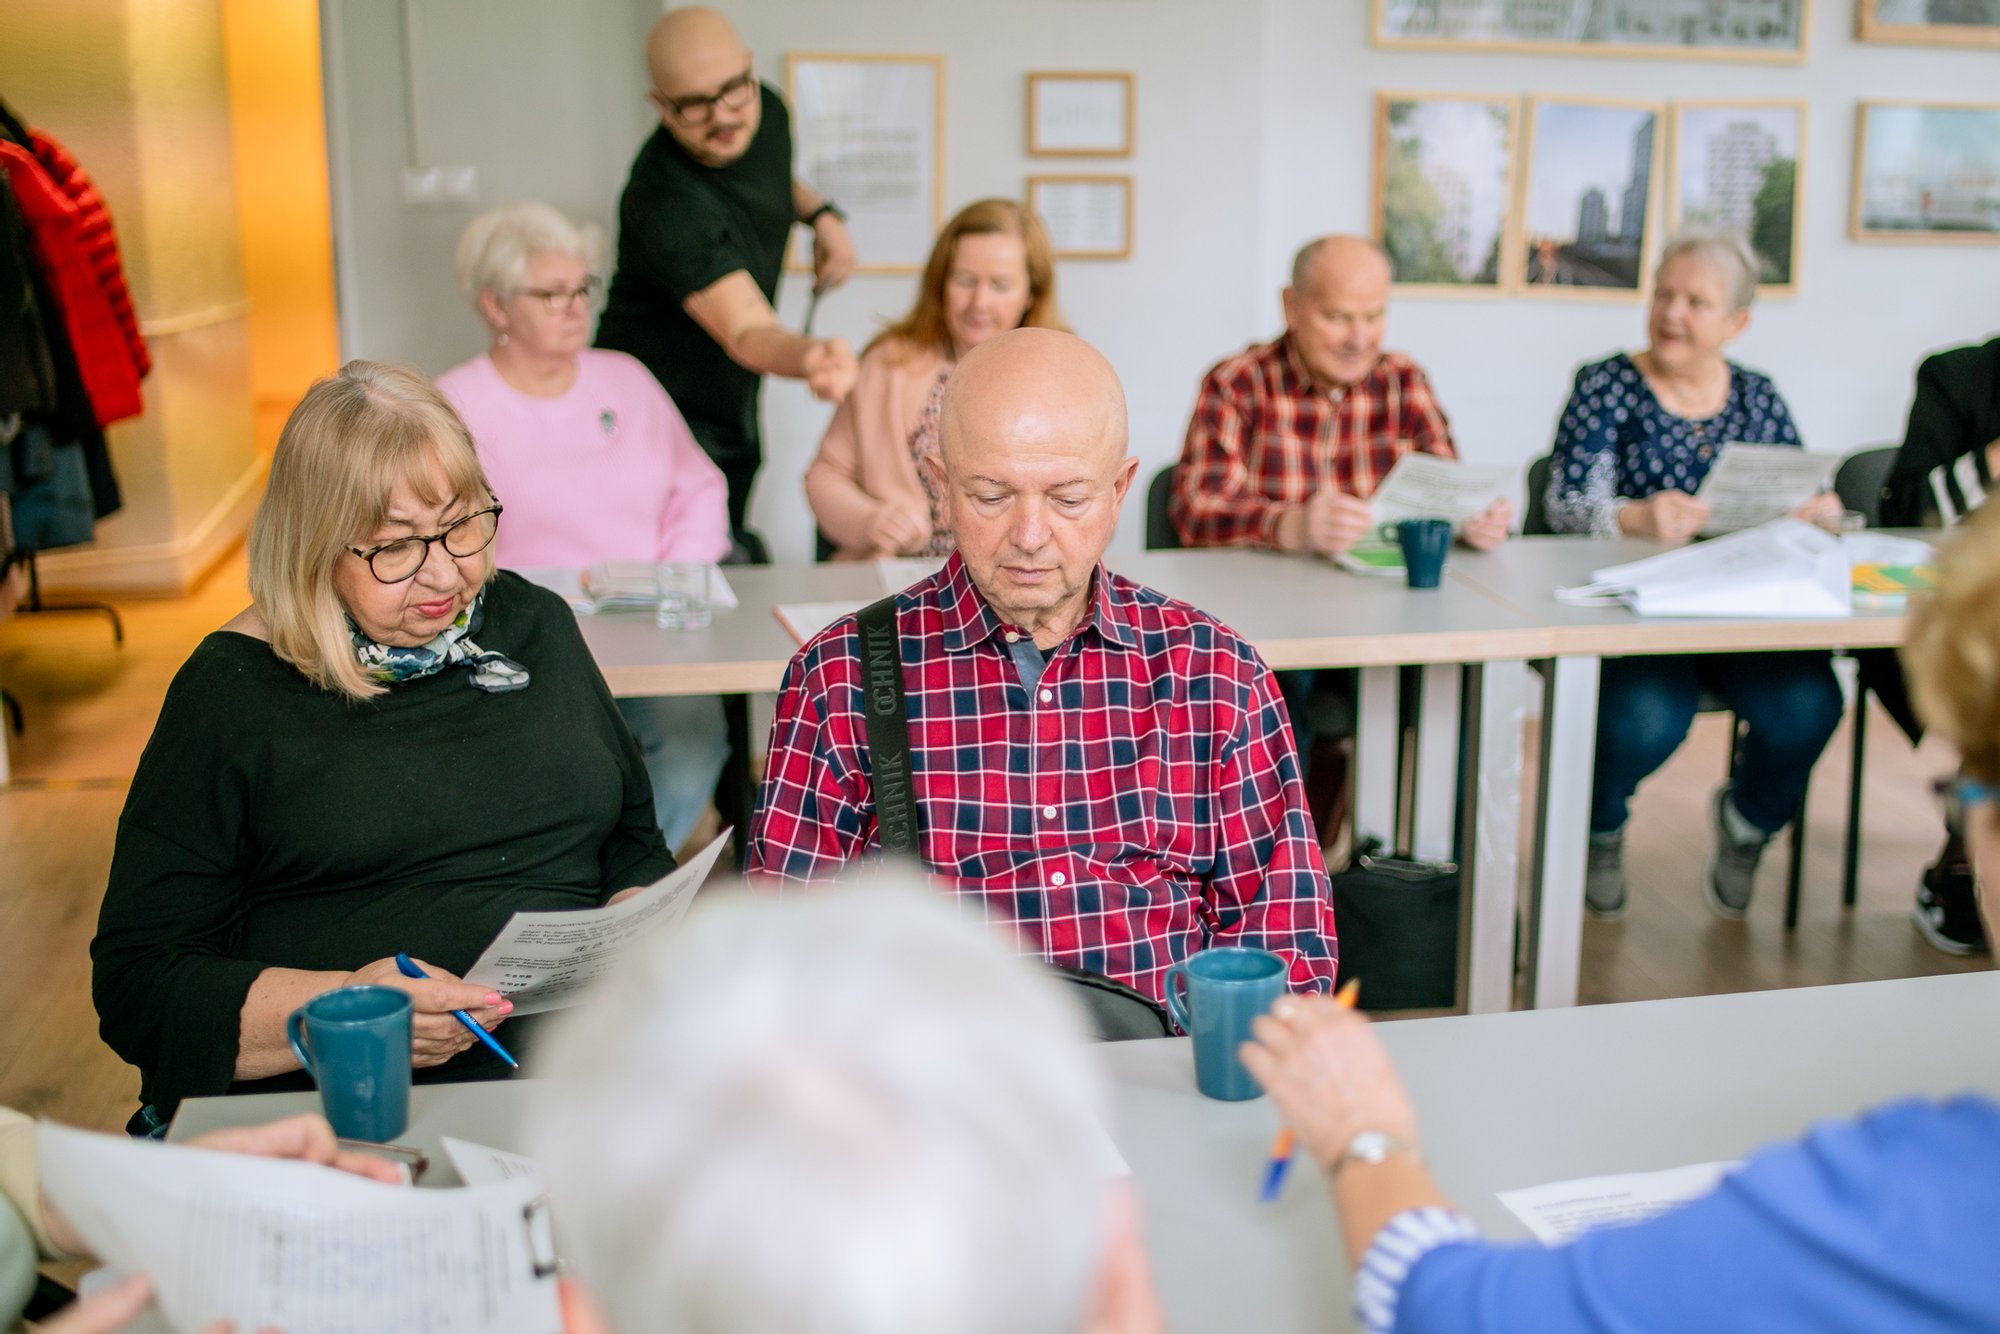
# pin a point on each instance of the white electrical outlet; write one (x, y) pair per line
(457, 185)
(422, 186)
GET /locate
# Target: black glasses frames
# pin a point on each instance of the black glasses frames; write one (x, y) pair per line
(700, 110)
(393, 562)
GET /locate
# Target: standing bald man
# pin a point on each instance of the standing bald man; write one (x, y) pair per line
(702, 229)
(1098, 767)
(1290, 439)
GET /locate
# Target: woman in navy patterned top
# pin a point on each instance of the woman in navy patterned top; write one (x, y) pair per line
(1637, 438)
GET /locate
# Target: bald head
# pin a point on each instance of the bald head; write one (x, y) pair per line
(1336, 308)
(1339, 259)
(1034, 386)
(707, 100)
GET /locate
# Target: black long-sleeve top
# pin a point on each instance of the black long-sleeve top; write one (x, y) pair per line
(1955, 415)
(274, 824)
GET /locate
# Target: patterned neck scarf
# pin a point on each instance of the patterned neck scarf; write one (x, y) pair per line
(495, 673)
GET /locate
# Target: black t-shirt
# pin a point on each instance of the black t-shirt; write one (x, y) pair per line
(273, 824)
(681, 227)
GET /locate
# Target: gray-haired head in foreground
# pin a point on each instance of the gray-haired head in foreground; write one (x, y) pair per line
(494, 248)
(841, 1112)
(1729, 256)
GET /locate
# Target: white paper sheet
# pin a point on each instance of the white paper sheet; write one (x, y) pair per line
(899, 572)
(483, 1165)
(865, 132)
(1882, 549)
(1424, 486)
(1557, 1212)
(803, 620)
(548, 960)
(1787, 569)
(268, 1243)
(567, 584)
(1754, 484)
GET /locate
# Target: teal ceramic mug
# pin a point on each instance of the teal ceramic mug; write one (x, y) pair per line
(1226, 989)
(355, 1043)
(1424, 543)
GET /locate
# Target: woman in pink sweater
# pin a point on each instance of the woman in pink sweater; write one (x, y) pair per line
(990, 270)
(591, 456)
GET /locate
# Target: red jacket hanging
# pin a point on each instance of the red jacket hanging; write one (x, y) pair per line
(69, 230)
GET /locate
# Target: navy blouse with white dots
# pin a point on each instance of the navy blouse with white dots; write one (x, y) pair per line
(1618, 442)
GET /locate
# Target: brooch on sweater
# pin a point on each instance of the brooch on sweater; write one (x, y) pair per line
(608, 420)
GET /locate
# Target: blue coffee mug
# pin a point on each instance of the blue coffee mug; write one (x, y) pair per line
(1424, 542)
(1226, 989)
(355, 1043)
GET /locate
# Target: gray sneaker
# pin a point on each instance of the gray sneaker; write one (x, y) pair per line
(1604, 878)
(1732, 876)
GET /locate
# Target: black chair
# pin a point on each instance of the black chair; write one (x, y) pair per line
(1859, 482)
(1536, 523)
(735, 790)
(1160, 534)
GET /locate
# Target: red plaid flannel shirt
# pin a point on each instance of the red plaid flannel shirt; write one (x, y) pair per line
(1144, 803)
(1263, 440)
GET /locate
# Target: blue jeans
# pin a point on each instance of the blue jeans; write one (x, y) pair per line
(685, 741)
(1789, 702)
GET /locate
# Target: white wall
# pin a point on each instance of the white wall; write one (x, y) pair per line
(1254, 132)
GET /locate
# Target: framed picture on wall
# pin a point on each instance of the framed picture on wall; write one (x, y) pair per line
(868, 133)
(1587, 197)
(1929, 22)
(1079, 115)
(1734, 168)
(1088, 217)
(1772, 30)
(1444, 187)
(1926, 171)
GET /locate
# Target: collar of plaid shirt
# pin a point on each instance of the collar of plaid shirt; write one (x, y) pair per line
(1296, 380)
(969, 618)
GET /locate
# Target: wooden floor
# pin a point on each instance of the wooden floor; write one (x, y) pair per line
(90, 708)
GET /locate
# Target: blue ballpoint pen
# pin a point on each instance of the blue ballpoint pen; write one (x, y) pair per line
(408, 968)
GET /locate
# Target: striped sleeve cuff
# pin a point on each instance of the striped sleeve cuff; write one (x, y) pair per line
(1959, 487)
(1403, 1240)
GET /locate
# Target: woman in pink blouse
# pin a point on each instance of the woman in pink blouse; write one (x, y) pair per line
(591, 456)
(990, 270)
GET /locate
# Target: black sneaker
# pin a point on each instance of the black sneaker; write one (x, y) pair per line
(1947, 911)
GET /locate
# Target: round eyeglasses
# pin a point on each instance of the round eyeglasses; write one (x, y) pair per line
(560, 300)
(393, 562)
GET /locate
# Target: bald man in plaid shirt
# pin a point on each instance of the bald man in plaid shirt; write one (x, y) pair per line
(1103, 772)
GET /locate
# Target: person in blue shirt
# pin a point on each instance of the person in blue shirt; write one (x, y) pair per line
(1890, 1221)
(1639, 434)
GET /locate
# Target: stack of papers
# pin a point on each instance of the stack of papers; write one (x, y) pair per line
(1754, 484)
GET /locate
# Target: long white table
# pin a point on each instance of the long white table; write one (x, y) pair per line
(1505, 1100)
(1523, 574)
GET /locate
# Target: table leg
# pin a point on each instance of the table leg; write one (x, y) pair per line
(1490, 834)
(1562, 830)
(1432, 834)
(1377, 775)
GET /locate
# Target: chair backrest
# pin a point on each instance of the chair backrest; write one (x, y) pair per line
(1860, 478)
(1160, 534)
(1535, 523)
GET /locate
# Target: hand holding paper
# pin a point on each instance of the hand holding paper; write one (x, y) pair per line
(1424, 486)
(1754, 484)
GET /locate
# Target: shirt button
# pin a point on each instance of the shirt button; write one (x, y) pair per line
(1013, 638)
(1046, 697)
(1048, 812)
(1058, 879)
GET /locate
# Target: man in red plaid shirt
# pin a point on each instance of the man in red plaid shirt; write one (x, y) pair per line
(1101, 770)
(1290, 438)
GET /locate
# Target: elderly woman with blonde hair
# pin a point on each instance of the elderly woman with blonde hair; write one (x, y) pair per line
(392, 750)
(594, 459)
(990, 270)
(1639, 434)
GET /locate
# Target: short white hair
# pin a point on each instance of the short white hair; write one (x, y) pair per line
(847, 1111)
(1728, 255)
(493, 251)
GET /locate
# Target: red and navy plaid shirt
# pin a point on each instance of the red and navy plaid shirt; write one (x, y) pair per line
(1142, 802)
(1264, 439)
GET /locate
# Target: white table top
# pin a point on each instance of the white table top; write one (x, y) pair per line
(1506, 1100)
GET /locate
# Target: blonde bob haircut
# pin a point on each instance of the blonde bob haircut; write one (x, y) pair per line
(351, 439)
(925, 325)
(1951, 652)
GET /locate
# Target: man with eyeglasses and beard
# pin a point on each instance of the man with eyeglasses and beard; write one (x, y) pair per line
(702, 229)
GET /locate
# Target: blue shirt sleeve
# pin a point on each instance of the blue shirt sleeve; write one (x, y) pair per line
(1583, 466)
(1891, 1222)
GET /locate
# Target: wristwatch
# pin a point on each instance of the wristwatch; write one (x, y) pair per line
(826, 206)
(1373, 1147)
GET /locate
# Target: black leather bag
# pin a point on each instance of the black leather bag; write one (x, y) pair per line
(1398, 923)
(1117, 1012)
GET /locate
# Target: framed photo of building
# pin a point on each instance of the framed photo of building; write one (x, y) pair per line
(1079, 115)
(1771, 30)
(1444, 188)
(1088, 217)
(868, 132)
(1586, 216)
(1927, 171)
(1929, 22)
(1734, 168)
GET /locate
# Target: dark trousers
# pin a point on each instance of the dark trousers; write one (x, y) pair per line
(1789, 702)
(738, 455)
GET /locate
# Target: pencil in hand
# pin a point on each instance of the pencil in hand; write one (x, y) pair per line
(1286, 1142)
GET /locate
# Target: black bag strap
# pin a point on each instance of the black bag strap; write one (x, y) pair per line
(888, 712)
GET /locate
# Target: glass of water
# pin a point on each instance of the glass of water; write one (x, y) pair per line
(682, 588)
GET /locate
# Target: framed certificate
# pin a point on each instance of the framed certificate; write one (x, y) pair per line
(868, 131)
(1079, 115)
(1088, 217)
